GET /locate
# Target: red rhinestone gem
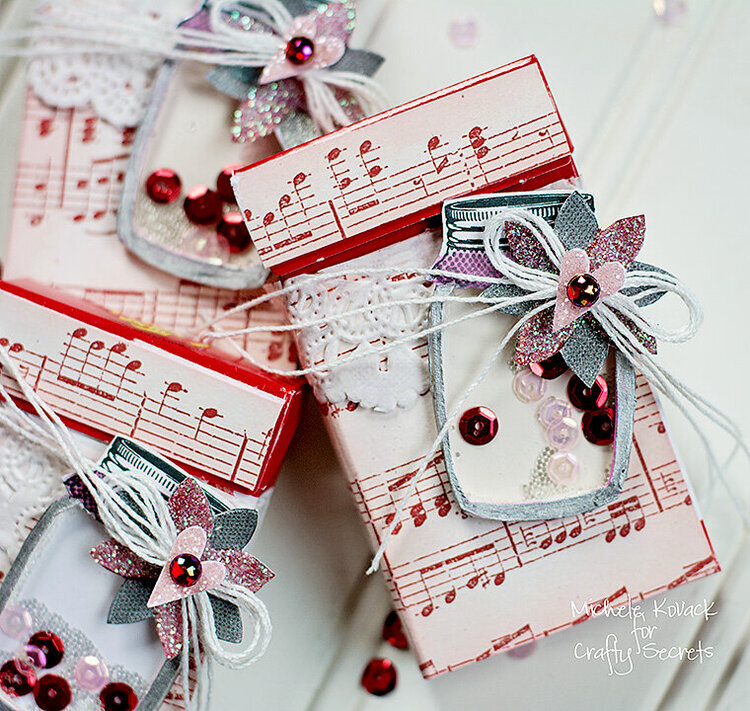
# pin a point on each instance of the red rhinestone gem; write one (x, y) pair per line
(202, 206)
(52, 693)
(299, 50)
(233, 232)
(185, 570)
(163, 185)
(223, 184)
(599, 426)
(393, 631)
(379, 677)
(585, 398)
(118, 697)
(549, 369)
(17, 678)
(583, 290)
(478, 425)
(51, 645)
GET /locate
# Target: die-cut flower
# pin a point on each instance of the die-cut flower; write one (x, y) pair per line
(310, 71)
(215, 542)
(602, 258)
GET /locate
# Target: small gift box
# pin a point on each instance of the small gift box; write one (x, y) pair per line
(502, 493)
(220, 419)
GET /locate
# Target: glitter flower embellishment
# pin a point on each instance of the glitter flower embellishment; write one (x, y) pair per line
(301, 64)
(593, 274)
(205, 556)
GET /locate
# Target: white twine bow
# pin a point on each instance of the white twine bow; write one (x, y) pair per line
(540, 288)
(65, 27)
(146, 529)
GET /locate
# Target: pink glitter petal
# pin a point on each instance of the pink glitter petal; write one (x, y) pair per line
(525, 248)
(120, 560)
(620, 242)
(265, 108)
(169, 627)
(242, 569)
(537, 341)
(188, 507)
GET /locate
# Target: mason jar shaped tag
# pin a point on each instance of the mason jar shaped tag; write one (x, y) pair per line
(546, 428)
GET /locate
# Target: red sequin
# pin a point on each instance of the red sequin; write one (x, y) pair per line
(202, 206)
(393, 631)
(299, 50)
(233, 231)
(585, 398)
(17, 678)
(223, 182)
(163, 185)
(118, 697)
(52, 693)
(379, 677)
(549, 369)
(51, 645)
(478, 425)
(599, 426)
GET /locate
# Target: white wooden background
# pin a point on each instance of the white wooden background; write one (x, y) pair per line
(659, 115)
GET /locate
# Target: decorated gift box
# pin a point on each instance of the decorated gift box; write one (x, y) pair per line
(179, 413)
(481, 381)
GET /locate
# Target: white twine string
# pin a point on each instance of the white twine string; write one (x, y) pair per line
(135, 513)
(74, 27)
(541, 287)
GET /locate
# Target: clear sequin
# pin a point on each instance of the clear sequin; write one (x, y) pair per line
(562, 434)
(15, 622)
(553, 410)
(528, 387)
(562, 468)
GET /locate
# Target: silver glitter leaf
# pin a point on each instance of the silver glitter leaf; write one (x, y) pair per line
(576, 224)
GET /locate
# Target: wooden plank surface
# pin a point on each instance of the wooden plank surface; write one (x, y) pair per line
(658, 113)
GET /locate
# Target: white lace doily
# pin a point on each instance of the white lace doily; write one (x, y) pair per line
(379, 381)
(116, 86)
(30, 480)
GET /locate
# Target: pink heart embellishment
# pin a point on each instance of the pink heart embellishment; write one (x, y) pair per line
(191, 541)
(610, 277)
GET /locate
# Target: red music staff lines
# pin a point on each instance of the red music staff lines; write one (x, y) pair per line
(431, 586)
(401, 163)
(105, 383)
(190, 305)
(79, 185)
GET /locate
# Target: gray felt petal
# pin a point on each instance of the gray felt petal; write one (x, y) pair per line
(496, 291)
(234, 528)
(227, 619)
(633, 291)
(585, 351)
(360, 61)
(576, 224)
(234, 81)
(130, 602)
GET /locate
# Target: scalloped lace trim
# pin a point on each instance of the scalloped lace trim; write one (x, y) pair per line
(376, 381)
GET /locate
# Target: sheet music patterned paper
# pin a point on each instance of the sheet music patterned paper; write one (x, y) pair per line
(63, 233)
(513, 582)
